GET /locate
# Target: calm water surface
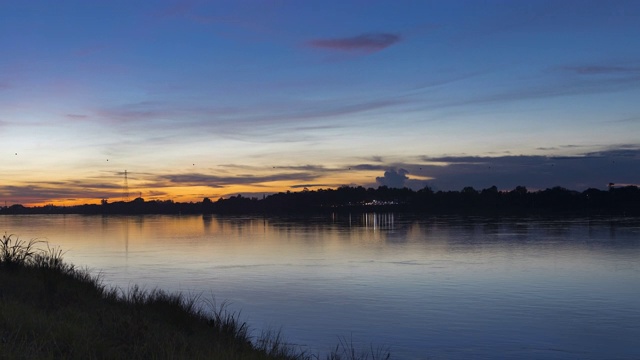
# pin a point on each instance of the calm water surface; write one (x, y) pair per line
(428, 288)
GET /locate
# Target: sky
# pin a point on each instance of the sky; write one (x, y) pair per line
(211, 99)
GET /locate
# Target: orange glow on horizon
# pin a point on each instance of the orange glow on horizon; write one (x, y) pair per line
(196, 193)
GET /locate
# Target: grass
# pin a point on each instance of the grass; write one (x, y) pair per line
(51, 310)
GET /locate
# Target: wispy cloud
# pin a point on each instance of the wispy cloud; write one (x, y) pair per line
(314, 168)
(77, 116)
(179, 8)
(89, 50)
(368, 167)
(555, 82)
(345, 109)
(623, 151)
(294, 122)
(317, 127)
(300, 186)
(136, 112)
(48, 191)
(370, 42)
(215, 181)
(631, 119)
(603, 70)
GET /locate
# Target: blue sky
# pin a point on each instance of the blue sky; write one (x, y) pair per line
(214, 98)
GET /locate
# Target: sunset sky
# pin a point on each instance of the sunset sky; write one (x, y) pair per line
(214, 98)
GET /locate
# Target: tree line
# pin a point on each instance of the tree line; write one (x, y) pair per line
(489, 201)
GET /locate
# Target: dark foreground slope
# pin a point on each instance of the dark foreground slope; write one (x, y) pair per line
(51, 310)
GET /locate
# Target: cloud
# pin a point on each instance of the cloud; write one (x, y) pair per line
(553, 82)
(137, 112)
(301, 168)
(300, 186)
(215, 181)
(625, 151)
(89, 50)
(326, 110)
(560, 88)
(180, 8)
(579, 172)
(602, 69)
(77, 116)
(229, 121)
(49, 191)
(369, 43)
(393, 178)
(369, 167)
(317, 127)
(306, 168)
(626, 120)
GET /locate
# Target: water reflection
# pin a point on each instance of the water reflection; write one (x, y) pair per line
(375, 221)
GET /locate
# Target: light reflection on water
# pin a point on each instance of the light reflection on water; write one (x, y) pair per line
(436, 287)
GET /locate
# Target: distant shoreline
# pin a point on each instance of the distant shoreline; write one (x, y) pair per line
(469, 201)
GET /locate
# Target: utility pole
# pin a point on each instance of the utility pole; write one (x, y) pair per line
(126, 187)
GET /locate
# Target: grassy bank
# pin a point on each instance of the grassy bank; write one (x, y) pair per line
(50, 310)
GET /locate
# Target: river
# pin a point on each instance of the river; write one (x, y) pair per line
(424, 287)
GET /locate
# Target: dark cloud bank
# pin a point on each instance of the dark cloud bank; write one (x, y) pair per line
(589, 170)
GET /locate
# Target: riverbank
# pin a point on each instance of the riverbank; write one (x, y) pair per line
(51, 309)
